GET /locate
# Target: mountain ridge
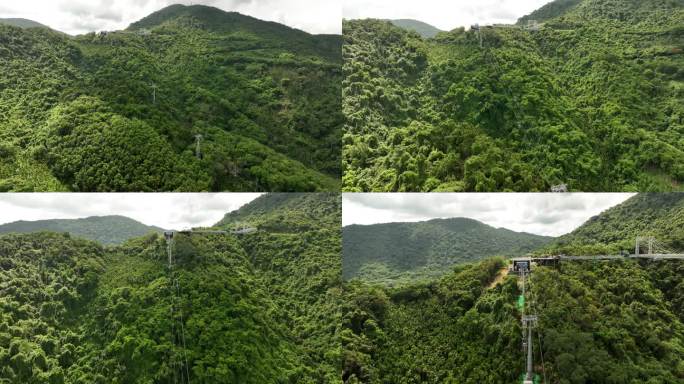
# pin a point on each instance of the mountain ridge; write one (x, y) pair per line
(22, 23)
(108, 230)
(424, 29)
(606, 10)
(441, 219)
(406, 251)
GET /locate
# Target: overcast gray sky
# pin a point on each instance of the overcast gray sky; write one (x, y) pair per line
(443, 14)
(550, 214)
(166, 210)
(82, 16)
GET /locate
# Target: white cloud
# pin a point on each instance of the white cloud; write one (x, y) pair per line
(166, 210)
(443, 14)
(82, 16)
(550, 214)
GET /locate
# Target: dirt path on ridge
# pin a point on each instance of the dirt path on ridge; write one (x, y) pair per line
(499, 277)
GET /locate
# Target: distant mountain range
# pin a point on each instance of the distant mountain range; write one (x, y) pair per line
(106, 230)
(406, 251)
(424, 29)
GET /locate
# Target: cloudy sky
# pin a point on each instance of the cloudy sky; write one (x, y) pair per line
(166, 210)
(550, 214)
(443, 14)
(82, 16)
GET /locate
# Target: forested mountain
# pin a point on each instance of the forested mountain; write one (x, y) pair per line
(550, 10)
(106, 230)
(601, 322)
(399, 252)
(123, 110)
(660, 215)
(22, 23)
(424, 29)
(605, 10)
(259, 308)
(592, 98)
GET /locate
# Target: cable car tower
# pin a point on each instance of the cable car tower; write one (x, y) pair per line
(198, 143)
(529, 321)
(477, 28)
(154, 93)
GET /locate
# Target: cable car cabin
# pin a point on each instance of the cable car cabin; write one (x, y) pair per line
(521, 265)
(244, 231)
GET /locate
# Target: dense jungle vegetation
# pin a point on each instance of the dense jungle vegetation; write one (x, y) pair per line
(120, 111)
(397, 253)
(607, 322)
(591, 99)
(453, 330)
(599, 323)
(261, 308)
(105, 230)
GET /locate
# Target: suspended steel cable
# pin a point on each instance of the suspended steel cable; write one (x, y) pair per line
(541, 348)
(541, 352)
(185, 349)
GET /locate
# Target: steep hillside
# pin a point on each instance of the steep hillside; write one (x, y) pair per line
(550, 10)
(289, 212)
(296, 254)
(615, 230)
(424, 29)
(397, 252)
(631, 11)
(453, 330)
(104, 229)
(612, 321)
(122, 110)
(591, 99)
(261, 308)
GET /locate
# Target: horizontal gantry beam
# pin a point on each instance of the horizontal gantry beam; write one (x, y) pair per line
(669, 256)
